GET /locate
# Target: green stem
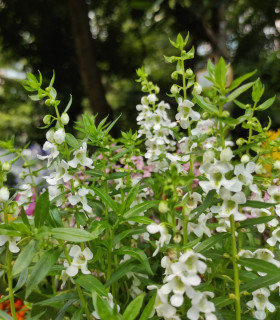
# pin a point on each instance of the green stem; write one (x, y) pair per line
(250, 129)
(235, 269)
(221, 127)
(10, 282)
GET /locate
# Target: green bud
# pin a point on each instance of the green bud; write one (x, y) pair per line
(64, 118)
(240, 141)
(6, 166)
(163, 206)
(48, 102)
(189, 73)
(174, 89)
(225, 114)
(174, 75)
(47, 119)
(205, 115)
(48, 89)
(156, 89)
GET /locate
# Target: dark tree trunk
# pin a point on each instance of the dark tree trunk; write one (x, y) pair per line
(85, 51)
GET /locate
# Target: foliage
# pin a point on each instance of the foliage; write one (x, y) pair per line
(175, 221)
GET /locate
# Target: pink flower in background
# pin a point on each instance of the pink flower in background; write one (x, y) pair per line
(27, 198)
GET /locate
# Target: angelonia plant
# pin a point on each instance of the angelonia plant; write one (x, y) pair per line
(175, 221)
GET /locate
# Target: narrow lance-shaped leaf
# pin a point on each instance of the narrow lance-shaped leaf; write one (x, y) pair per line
(25, 257)
(133, 308)
(268, 103)
(72, 234)
(145, 315)
(41, 269)
(42, 209)
(139, 208)
(102, 194)
(236, 93)
(90, 283)
(209, 242)
(206, 105)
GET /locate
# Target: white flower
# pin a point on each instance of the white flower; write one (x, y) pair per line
(197, 89)
(266, 255)
(164, 235)
(275, 238)
(202, 127)
(230, 205)
(59, 136)
(25, 194)
(243, 176)
(263, 213)
(215, 172)
(176, 159)
(80, 196)
(79, 262)
(49, 147)
(80, 157)
(4, 194)
(185, 112)
(260, 302)
(55, 191)
(200, 228)
(201, 304)
(60, 172)
(49, 135)
(12, 242)
(245, 158)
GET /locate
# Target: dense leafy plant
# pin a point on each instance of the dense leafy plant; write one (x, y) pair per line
(175, 221)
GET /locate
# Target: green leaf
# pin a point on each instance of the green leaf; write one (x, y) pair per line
(41, 269)
(72, 234)
(128, 232)
(78, 314)
(171, 59)
(209, 242)
(102, 194)
(236, 82)
(9, 232)
(188, 55)
(206, 105)
(25, 257)
(133, 308)
(221, 74)
(122, 271)
(141, 219)
(117, 175)
(236, 93)
(131, 196)
(5, 316)
(22, 279)
(258, 90)
(148, 309)
(139, 208)
(90, 283)
(24, 218)
(58, 298)
(103, 308)
(34, 97)
(68, 105)
(258, 265)
(255, 221)
(259, 204)
(42, 209)
(241, 105)
(268, 103)
(137, 254)
(223, 301)
(261, 282)
(72, 141)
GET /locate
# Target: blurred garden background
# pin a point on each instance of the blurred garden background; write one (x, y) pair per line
(96, 46)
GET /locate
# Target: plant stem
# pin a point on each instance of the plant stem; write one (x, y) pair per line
(10, 282)
(9, 269)
(235, 269)
(221, 127)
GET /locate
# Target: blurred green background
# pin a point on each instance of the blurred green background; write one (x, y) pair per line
(96, 46)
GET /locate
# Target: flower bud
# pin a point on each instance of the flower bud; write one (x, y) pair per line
(226, 154)
(22, 175)
(48, 102)
(64, 118)
(225, 114)
(163, 207)
(189, 73)
(210, 131)
(13, 209)
(174, 75)
(6, 166)
(177, 238)
(59, 136)
(156, 89)
(240, 141)
(4, 194)
(174, 89)
(49, 135)
(197, 89)
(152, 98)
(205, 115)
(245, 158)
(47, 119)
